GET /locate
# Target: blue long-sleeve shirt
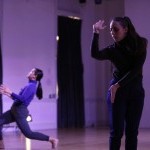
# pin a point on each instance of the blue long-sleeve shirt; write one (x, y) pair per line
(26, 94)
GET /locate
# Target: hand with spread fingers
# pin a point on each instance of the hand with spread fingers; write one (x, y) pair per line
(99, 26)
(5, 90)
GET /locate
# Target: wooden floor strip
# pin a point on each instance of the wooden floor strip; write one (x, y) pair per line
(71, 139)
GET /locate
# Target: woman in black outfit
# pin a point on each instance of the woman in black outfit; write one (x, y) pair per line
(126, 94)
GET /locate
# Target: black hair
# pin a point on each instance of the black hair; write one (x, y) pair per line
(39, 76)
(136, 42)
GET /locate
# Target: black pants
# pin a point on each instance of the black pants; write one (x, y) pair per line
(125, 114)
(18, 114)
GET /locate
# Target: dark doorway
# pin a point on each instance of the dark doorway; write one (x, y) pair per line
(70, 74)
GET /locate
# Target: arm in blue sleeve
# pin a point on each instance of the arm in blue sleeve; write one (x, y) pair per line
(27, 92)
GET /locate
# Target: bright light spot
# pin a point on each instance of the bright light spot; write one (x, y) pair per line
(57, 38)
(73, 17)
(29, 118)
(28, 144)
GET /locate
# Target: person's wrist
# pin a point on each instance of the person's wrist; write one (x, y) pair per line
(9, 92)
(117, 85)
(96, 31)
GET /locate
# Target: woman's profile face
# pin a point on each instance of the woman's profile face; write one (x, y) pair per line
(117, 31)
(31, 75)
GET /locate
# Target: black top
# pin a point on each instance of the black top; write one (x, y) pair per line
(127, 67)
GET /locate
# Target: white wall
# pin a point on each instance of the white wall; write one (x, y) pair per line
(1, 10)
(139, 12)
(97, 73)
(29, 40)
(29, 29)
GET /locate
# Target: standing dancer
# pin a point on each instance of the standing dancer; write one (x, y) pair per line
(126, 94)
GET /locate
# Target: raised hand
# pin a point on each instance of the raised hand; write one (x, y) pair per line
(99, 26)
(5, 90)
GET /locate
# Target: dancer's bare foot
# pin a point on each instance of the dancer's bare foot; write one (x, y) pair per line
(54, 142)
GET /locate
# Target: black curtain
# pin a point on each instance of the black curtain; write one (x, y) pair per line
(70, 74)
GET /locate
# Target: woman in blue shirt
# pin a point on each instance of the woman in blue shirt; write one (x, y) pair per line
(19, 112)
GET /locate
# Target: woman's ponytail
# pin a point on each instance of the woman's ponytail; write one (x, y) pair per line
(39, 76)
(39, 91)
